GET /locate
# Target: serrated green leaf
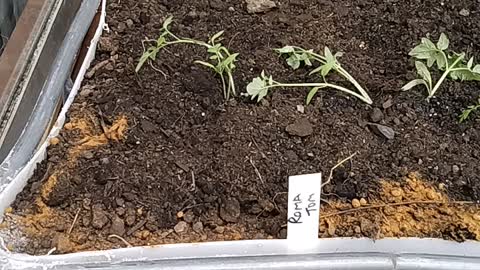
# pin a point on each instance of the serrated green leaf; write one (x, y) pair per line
(414, 83)
(423, 71)
(431, 61)
(293, 61)
(327, 68)
(257, 88)
(230, 59)
(476, 69)
(464, 75)
(443, 42)
(470, 63)
(167, 22)
(422, 52)
(428, 43)
(286, 49)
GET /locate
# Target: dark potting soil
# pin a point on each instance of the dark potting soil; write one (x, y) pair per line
(191, 167)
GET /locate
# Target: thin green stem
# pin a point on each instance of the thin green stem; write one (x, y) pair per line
(232, 83)
(444, 76)
(342, 72)
(322, 85)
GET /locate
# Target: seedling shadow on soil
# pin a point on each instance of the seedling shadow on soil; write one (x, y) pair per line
(169, 161)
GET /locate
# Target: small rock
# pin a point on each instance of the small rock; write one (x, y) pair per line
(476, 217)
(180, 214)
(302, 128)
(356, 203)
(259, 6)
(118, 226)
(376, 115)
(145, 234)
(219, 229)
(129, 23)
(99, 217)
(189, 217)
(363, 202)
(465, 12)
(385, 131)
(396, 121)
(231, 9)
(106, 44)
(282, 234)
(130, 216)
(230, 210)
(181, 227)
(367, 226)
(455, 169)
(105, 161)
(121, 27)
(217, 4)
(387, 104)
(301, 108)
(198, 227)
(331, 230)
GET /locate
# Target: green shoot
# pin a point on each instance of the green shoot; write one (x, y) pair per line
(328, 62)
(298, 56)
(452, 65)
(221, 61)
(468, 111)
(260, 86)
(225, 64)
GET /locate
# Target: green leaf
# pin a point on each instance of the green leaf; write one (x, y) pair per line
(286, 49)
(476, 69)
(326, 68)
(257, 88)
(293, 61)
(470, 63)
(205, 64)
(217, 35)
(414, 83)
(151, 53)
(423, 52)
(230, 59)
(464, 75)
(443, 42)
(328, 55)
(318, 69)
(440, 59)
(311, 94)
(422, 70)
(428, 43)
(167, 22)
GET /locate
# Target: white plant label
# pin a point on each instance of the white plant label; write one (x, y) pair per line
(303, 207)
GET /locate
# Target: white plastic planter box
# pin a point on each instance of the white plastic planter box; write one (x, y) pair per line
(333, 254)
